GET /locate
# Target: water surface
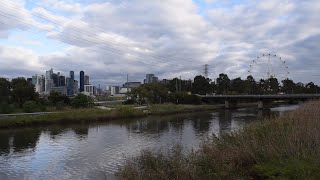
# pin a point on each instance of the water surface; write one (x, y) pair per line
(96, 151)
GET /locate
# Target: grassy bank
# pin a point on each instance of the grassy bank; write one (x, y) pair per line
(284, 148)
(97, 115)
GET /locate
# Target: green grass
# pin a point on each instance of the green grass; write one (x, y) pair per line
(73, 116)
(284, 148)
(69, 115)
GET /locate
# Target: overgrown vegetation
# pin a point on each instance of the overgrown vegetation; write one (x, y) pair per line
(96, 115)
(284, 148)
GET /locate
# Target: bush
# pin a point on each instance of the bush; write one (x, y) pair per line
(60, 105)
(6, 108)
(30, 107)
(82, 101)
(283, 148)
(184, 98)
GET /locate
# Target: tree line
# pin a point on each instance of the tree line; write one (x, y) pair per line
(185, 91)
(18, 95)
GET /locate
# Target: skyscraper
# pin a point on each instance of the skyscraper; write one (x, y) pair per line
(70, 84)
(55, 80)
(86, 80)
(151, 78)
(81, 81)
(62, 81)
(48, 82)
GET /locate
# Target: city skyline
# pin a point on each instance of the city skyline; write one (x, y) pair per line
(228, 35)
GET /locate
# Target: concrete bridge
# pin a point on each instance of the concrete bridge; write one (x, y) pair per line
(264, 101)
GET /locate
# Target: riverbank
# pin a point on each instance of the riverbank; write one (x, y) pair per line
(99, 115)
(284, 148)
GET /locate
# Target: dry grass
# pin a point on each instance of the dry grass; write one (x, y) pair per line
(284, 148)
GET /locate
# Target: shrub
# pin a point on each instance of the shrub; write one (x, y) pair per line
(82, 101)
(6, 108)
(30, 107)
(60, 105)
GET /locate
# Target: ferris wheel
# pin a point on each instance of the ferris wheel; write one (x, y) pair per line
(269, 66)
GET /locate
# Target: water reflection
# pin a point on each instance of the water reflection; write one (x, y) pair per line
(96, 151)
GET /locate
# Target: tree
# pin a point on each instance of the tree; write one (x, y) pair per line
(153, 93)
(237, 86)
(223, 84)
(288, 86)
(273, 85)
(201, 85)
(56, 97)
(22, 91)
(4, 90)
(82, 101)
(311, 88)
(262, 87)
(251, 86)
(179, 85)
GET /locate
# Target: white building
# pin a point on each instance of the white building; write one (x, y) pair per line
(90, 90)
(114, 90)
(39, 83)
(48, 81)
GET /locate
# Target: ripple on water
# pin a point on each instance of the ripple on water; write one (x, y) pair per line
(97, 151)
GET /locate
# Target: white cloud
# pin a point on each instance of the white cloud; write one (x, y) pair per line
(170, 38)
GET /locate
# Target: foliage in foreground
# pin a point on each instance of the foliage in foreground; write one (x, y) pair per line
(283, 148)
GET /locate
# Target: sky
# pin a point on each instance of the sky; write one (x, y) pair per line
(109, 39)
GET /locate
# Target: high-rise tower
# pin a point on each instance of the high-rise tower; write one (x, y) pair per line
(81, 81)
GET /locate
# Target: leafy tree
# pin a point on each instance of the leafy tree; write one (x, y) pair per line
(288, 86)
(300, 88)
(251, 86)
(153, 93)
(223, 84)
(82, 101)
(184, 98)
(30, 107)
(237, 86)
(22, 91)
(201, 85)
(179, 85)
(57, 98)
(311, 88)
(273, 85)
(4, 90)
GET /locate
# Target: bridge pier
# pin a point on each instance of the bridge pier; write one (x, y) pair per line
(264, 104)
(228, 104)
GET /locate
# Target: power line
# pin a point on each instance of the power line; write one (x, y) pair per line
(94, 36)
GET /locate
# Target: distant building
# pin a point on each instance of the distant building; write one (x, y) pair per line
(124, 90)
(82, 81)
(35, 79)
(151, 78)
(90, 90)
(86, 80)
(62, 90)
(114, 90)
(48, 80)
(165, 82)
(132, 84)
(42, 84)
(55, 80)
(70, 84)
(39, 83)
(29, 80)
(62, 81)
(75, 87)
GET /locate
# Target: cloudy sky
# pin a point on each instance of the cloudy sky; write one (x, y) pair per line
(109, 39)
